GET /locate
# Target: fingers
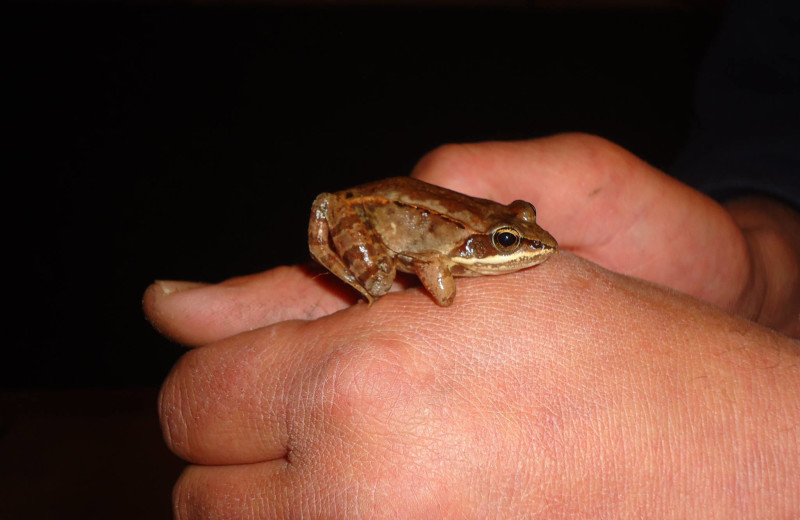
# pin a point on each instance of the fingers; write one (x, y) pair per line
(570, 178)
(227, 403)
(607, 205)
(251, 491)
(330, 487)
(585, 189)
(312, 413)
(280, 489)
(593, 196)
(262, 395)
(197, 314)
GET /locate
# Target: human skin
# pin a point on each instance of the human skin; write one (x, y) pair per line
(566, 390)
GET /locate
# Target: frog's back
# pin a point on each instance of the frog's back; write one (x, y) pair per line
(469, 213)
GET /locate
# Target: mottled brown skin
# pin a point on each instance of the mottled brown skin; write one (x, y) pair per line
(364, 234)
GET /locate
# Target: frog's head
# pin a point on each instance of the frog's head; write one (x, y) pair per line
(514, 241)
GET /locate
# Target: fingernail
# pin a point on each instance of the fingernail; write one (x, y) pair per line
(173, 286)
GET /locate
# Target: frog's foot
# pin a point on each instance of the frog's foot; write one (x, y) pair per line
(434, 274)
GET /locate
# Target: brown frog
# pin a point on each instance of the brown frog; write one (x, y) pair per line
(364, 234)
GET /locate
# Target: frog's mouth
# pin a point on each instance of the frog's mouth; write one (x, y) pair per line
(506, 263)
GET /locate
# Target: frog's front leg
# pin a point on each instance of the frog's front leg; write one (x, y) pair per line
(340, 240)
(432, 269)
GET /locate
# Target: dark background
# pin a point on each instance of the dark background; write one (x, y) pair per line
(179, 141)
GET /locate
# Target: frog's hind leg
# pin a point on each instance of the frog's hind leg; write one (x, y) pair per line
(339, 239)
(320, 246)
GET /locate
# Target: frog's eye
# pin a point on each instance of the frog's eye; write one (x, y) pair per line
(506, 239)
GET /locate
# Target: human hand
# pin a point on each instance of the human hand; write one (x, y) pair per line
(608, 206)
(559, 391)
(600, 202)
(397, 410)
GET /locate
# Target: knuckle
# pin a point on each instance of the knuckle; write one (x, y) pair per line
(204, 395)
(172, 413)
(366, 383)
(182, 410)
(184, 502)
(200, 494)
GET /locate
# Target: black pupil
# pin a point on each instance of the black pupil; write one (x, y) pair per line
(506, 239)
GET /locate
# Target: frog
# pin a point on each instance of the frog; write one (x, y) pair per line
(365, 234)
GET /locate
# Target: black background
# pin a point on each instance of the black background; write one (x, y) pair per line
(188, 141)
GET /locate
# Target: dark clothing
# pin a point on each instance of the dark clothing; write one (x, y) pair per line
(746, 137)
